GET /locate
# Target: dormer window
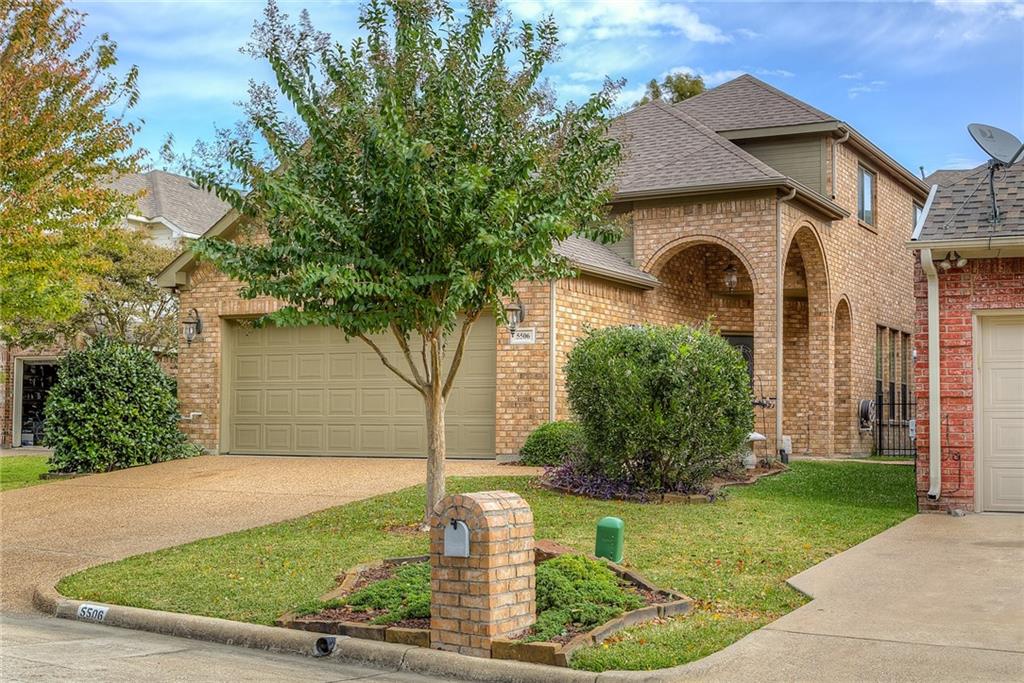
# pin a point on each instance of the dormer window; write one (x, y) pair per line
(866, 196)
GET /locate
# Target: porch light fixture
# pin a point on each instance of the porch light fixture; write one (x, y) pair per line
(731, 277)
(515, 313)
(192, 326)
(953, 259)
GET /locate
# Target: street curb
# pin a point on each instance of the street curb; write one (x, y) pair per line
(381, 655)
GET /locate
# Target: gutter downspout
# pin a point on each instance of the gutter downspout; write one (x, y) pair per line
(780, 268)
(934, 384)
(835, 148)
(552, 350)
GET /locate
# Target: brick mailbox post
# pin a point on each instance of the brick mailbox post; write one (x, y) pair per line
(482, 575)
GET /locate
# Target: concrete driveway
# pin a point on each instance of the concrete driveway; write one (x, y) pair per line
(936, 598)
(54, 529)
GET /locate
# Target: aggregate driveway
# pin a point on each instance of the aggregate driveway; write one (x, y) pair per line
(55, 529)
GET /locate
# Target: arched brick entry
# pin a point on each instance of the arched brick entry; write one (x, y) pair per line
(843, 379)
(807, 327)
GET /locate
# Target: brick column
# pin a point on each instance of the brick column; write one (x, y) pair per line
(491, 593)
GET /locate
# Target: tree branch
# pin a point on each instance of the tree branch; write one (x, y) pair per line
(467, 324)
(390, 366)
(404, 344)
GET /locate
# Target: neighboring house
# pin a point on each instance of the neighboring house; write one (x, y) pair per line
(170, 209)
(780, 223)
(970, 343)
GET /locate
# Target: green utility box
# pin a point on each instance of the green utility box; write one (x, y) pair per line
(610, 532)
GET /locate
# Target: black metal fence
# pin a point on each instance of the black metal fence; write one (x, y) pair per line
(894, 419)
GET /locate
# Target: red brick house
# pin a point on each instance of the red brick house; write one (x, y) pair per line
(970, 342)
(780, 223)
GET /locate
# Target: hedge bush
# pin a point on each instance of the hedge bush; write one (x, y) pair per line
(112, 407)
(551, 443)
(661, 408)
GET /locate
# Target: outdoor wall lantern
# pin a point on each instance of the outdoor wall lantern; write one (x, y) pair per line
(192, 326)
(515, 313)
(731, 277)
(952, 259)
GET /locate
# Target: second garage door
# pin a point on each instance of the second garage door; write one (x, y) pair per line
(1000, 393)
(306, 391)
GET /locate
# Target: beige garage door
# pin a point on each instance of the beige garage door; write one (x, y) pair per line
(1001, 419)
(306, 391)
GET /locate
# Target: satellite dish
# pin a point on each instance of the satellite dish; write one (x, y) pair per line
(1001, 146)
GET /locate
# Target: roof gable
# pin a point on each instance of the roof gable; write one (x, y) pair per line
(667, 149)
(748, 102)
(174, 198)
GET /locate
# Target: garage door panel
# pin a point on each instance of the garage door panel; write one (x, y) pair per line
(374, 438)
(1004, 387)
(309, 402)
(277, 437)
(278, 402)
(279, 367)
(374, 402)
(309, 437)
(1007, 488)
(247, 437)
(248, 368)
(408, 403)
(341, 438)
(342, 366)
(341, 402)
(248, 402)
(309, 366)
(309, 391)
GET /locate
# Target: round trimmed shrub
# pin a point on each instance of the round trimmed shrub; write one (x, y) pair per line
(552, 443)
(661, 408)
(112, 407)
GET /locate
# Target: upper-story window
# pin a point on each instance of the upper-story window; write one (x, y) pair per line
(866, 196)
(918, 210)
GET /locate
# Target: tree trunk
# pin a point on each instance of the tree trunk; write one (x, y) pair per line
(436, 449)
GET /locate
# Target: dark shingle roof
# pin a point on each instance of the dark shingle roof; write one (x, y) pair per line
(173, 197)
(746, 102)
(665, 148)
(599, 259)
(962, 205)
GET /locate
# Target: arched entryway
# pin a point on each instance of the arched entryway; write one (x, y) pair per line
(806, 328)
(843, 415)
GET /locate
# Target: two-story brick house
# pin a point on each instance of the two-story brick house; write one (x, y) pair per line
(781, 224)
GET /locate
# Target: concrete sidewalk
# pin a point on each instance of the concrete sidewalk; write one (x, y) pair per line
(45, 649)
(936, 598)
(54, 529)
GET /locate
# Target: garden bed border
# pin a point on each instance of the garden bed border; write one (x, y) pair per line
(551, 654)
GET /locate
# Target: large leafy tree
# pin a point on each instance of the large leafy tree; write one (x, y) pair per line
(123, 303)
(64, 131)
(431, 173)
(675, 87)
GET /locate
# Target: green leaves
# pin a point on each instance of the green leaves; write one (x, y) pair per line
(433, 177)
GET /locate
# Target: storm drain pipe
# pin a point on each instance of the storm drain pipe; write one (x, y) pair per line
(934, 382)
(780, 272)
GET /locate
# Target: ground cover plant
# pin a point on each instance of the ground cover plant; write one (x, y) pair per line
(661, 408)
(21, 470)
(732, 557)
(573, 592)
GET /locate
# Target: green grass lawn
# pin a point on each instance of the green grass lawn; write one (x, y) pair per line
(21, 470)
(732, 557)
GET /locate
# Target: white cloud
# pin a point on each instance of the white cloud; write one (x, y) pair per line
(604, 19)
(748, 33)
(1012, 9)
(719, 76)
(852, 77)
(864, 88)
(961, 161)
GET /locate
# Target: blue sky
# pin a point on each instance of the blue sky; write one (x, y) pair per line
(909, 75)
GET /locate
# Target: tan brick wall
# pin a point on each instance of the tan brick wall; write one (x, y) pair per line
(686, 243)
(492, 593)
